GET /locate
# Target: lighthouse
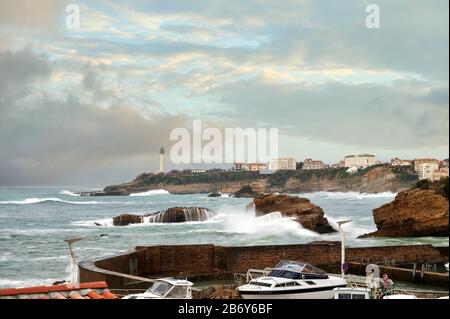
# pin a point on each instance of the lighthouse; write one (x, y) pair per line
(161, 160)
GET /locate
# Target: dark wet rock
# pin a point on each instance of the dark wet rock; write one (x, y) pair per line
(247, 192)
(170, 215)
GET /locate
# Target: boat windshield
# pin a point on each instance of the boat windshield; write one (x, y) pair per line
(292, 269)
(160, 288)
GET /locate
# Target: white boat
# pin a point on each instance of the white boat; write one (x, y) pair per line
(292, 280)
(166, 288)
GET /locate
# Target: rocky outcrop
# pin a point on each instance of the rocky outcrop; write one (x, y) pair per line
(214, 195)
(300, 209)
(170, 215)
(247, 192)
(413, 213)
(127, 219)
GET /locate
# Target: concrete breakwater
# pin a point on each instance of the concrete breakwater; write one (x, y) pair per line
(135, 269)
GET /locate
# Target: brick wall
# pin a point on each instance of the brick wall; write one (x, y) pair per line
(195, 260)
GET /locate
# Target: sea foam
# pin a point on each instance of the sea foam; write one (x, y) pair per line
(151, 193)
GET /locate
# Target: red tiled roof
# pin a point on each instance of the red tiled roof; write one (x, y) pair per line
(89, 290)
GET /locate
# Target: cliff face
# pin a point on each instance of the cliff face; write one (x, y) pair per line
(413, 213)
(372, 180)
(300, 209)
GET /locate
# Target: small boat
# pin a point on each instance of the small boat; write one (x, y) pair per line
(166, 288)
(292, 280)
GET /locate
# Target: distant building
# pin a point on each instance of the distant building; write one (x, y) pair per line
(360, 160)
(399, 162)
(283, 164)
(340, 164)
(198, 171)
(426, 170)
(310, 164)
(420, 161)
(439, 174)
(161, 160)
(249, 167)
(444, 163)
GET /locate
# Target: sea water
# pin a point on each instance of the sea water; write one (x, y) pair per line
(35, 222)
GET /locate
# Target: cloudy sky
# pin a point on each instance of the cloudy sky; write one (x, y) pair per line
(92, 106)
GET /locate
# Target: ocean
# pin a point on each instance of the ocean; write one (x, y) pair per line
(34, 223)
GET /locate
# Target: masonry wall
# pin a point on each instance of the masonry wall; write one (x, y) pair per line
(198, 260)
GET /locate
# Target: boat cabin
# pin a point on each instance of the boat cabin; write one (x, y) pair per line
(297, 270)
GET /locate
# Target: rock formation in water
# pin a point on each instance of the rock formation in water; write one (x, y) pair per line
(247, 192)
(300, 209)
(215, 195)
(170, 215)
(413, 213)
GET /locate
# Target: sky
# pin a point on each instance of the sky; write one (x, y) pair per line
(91, 106)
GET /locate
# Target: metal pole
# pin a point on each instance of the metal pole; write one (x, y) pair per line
(342, 245)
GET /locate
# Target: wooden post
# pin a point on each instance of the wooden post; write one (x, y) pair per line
(422, 272)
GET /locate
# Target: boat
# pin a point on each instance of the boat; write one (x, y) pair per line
(166, 288)
(292, 280)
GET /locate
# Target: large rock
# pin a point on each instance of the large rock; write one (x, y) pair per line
(413, 213)
(127, 219)
(247, 192)
(170, 215)
(300, 209)
(215, 195)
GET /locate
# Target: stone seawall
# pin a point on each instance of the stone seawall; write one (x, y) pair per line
(132, 270)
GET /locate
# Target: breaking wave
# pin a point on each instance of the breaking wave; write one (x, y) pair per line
(68, 193)
(273, 224)
(151, 193)
(30, 201)
(350, 195)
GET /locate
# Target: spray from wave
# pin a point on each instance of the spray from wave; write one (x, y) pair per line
(273, 224)
(30, 201)
(151, 193)
(349, 195)
(68, 193)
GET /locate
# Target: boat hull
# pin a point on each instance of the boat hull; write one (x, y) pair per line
(321, 293)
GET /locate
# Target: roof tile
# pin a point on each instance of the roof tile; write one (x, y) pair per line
(95, 295)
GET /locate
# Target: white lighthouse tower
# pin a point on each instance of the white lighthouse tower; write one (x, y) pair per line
(161, 160)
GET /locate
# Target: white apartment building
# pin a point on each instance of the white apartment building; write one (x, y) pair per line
(283, 164)
(426, 170)
(360, 160)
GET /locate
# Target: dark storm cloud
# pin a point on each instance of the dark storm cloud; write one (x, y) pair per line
(46, 140)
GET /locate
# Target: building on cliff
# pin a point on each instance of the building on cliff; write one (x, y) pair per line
(283, 164)
(420, 161)
(439, 174)
(310, 164)
(162, 160)
(397, 162)
(360, 160)
(249, 167)
(426, 170)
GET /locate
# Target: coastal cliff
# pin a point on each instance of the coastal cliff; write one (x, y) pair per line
(376, 179)
(421, 211)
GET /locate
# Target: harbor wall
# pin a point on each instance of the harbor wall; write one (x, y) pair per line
(131, 268)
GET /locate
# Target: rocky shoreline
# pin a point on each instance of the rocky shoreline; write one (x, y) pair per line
(376, 179)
